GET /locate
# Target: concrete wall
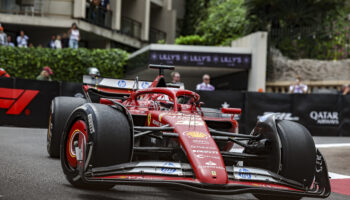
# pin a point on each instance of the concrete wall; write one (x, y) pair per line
(58, 8)
(164, 19)
(257, 42)
(138, 10)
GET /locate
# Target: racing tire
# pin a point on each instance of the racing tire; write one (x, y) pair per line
(298, 156)
(108, 141)
(60, 109)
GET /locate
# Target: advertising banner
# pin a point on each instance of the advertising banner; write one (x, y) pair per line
(259, 104)
(319, 113)
(26, 103)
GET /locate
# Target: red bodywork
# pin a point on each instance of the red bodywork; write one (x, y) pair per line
(202, 151)
(194, 138)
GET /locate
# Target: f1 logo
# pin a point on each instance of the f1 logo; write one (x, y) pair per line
(16, 100)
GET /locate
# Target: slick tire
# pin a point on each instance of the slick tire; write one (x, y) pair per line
(60, 109)
(298, 156)
(104, 133)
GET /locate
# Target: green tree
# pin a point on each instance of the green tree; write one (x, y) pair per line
(224, 22)
(272, 14)
(195, 12)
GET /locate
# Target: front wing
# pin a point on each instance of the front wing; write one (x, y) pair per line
(241, 179)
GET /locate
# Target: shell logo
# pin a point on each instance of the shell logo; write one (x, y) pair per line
(196, 134)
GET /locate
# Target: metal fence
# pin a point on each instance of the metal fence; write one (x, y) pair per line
(156, 35)
(22, 7)
(98, 15)
(131, 27)
(323, 43)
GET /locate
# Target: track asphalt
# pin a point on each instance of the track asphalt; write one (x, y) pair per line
(26, 172)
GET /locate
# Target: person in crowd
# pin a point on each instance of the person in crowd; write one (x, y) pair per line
(175, 76)
(45, 74)
(51, 44)
(40, 46)
(205, 85)
(74, 36)
(22, 39)
(345, 89)
(31, 45)
(65, 40)
(3, 37)
(9, 41)
(3, 73)
(58, 43)
(298, 87)
(105, 5)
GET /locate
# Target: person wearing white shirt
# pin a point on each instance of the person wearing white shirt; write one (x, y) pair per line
(22, 40)
(74, 36)
(298, 87)
(58, 43)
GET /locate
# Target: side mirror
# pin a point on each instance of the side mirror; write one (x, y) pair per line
(231, 110)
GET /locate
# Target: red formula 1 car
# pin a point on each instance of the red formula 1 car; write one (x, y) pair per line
(160, 136)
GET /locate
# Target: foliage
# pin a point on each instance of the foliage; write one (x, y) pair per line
(272, 14)
(225, 21)
(190, 40)
(195, 12)
(67, 64)
(327, 42)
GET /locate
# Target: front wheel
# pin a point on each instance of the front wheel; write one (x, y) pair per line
(99, 136)
(298, 156)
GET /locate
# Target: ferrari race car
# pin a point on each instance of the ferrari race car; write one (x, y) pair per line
(160, 136)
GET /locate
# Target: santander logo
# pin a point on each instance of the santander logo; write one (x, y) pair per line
(16, 100)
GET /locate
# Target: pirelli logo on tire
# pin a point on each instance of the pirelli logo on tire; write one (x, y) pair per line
(16, 100)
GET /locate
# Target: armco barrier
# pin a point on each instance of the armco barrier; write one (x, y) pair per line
(26, 103)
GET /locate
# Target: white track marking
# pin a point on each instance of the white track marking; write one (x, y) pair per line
(337, 176)
(333, 145)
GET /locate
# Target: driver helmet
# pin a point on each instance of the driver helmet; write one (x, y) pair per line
(93, 71)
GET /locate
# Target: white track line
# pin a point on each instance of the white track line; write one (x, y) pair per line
(333, 145)
(337, 176)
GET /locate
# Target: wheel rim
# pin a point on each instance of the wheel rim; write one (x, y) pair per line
(76, 139)
(49, 130)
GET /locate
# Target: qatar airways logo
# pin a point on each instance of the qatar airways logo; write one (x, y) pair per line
(325, 117)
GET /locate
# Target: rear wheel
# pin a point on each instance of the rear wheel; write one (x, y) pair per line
(298, 156)
(61, 108)
(100, 129)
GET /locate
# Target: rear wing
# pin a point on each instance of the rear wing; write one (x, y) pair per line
(115, 83)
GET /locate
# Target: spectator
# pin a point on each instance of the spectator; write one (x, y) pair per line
(58, 43)
(345, 89)
(176, 80)
(65, 40)
(298, 87)
(30, 45)
(175, 77)
(45, 74)
(205, 85)
(9, 41)
(51, 44)
(105, 4)
(22, 40)
(3, 37)
(74, 36)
